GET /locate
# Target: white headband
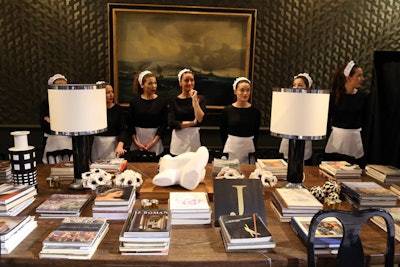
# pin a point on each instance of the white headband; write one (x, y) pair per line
(182, 72)
(56, 77)
(239, 80)
(305, 75)
(141, 76)
(348, 68)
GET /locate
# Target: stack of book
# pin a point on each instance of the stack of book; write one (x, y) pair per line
(110, 165)
(245, 233)
(15, 198)
(340, 171)
(395, 212)
(386, 174)
(63, 205)
(363, 195)
(13, 231)
(278, 167)
(395, 188)
(74, 238)
(114, 202)
(5, 171)
(63, 169)
(294, 202)
(146, 232)
(328, 235)
(189, 208)
(218, 164)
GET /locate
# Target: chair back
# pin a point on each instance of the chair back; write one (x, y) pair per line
(141, 156)
(59, 155)
(216, 153)
(351, 252)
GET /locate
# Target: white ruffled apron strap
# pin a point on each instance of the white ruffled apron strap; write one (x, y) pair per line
(345, 141)
(145, 136)
(239, 147)
(185, 140)
(104, 147)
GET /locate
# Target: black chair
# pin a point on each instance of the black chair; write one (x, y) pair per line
(216, 153)
(141, 156)
(351, 252)
(59, 155)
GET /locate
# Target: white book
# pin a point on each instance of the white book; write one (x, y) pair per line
(188, 202)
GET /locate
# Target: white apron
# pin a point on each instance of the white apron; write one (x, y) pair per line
(345, 141)
(239, 147)
(284, 148)
(145, 136)
(185, 140)
(104, 147)
(56, 142)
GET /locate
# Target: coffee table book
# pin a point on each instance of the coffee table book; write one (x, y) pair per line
(341, 169)
(244, 229)
(110, 165)
(395, 212)
(245, 233)
(364, 195)
(147, 223)
(75, 238)
(76, 232)
(62, 205)
(11, 192)
(386, 174)
(14, 230)
(115, 196)
(189, 208)
(328, 235)
(238, 197)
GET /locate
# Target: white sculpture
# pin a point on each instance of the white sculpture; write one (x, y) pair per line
(187, 169)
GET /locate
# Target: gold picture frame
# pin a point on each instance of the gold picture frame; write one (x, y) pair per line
(216, 43)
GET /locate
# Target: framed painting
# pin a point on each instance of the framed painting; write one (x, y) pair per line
(217, 44)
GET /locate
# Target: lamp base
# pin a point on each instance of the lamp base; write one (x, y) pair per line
(76, 185)
(293, 185)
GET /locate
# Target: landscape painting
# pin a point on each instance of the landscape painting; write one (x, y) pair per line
(217, 44)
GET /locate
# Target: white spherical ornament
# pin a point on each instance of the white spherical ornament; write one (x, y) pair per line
(328, 187)
(229, 173)
(317, 192)
(266, 177)
(333, 196)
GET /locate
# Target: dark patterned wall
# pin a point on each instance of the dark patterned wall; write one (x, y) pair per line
(42, 37)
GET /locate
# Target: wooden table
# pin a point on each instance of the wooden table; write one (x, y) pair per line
(190, 245)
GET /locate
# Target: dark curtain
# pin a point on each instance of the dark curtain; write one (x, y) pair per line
(383, 134)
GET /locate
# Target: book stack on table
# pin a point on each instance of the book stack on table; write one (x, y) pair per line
(245, 233)
(110, 165)
(15, 198)
(5, 171)
(63, 169)
(340, 171)
(189, 208)
(385, 174)
(327, 237)
(364, 195)
(278, 167)
(146, 232)
(395, 212)
(13, 230)
(63, 205)
(114, 202)
(75, 238)
(218, 164)
(294, 202)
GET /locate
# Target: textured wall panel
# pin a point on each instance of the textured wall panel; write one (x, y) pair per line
(42, 37)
